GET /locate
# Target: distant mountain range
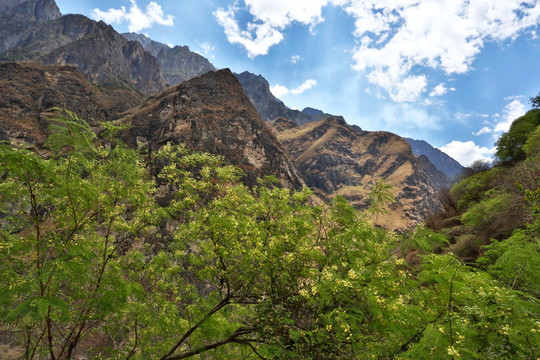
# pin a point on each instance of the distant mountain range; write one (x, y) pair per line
(89, 68)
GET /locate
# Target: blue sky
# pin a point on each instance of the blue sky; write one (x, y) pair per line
(452, 72)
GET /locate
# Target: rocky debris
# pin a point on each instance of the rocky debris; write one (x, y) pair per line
(337, 159)
(211, 113)
(177, 63)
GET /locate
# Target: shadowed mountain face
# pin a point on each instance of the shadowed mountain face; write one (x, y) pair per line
(29, 91)
(211, 113)
(18, 15)
(442, 161)
(177, 63)
(95, 48)
(337, 159)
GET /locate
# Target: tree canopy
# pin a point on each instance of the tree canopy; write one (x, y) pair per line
(103, 258)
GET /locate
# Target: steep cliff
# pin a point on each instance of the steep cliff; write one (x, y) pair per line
(18, 15)
(337, 159)
(211, 113)
(177, 63)
(95, 48)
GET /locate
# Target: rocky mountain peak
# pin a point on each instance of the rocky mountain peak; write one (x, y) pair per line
(177, 63)
(18, 15)
(211, 113)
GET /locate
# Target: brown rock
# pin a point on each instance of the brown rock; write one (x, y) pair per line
(211, 113)
(337, 159)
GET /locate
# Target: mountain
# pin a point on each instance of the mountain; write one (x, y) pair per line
(96, 49)
(269, 107)
(211, 113)
(29, 91)
(337, 159)
(18, 15)
(442, 161)
(177, 63)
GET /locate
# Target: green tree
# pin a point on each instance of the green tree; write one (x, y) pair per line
(65, 221)
(510, 144)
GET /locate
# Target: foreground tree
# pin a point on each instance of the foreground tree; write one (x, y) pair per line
(189, 263)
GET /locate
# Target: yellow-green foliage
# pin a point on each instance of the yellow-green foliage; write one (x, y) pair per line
(240, 273)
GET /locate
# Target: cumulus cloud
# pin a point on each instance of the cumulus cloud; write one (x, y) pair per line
(445, 35)
(136, 18)
(511, 112)
(270, 18)
(280, 90)
(467, 152)
(395, 38)
(438, 90)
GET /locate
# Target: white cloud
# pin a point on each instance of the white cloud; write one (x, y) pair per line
(270, 18)
(511, 112)
(137, 19)
(484, 130)
(396, 38)
(295, 58)
(207, 47)
(467, 152)
(438, 90)
(437, 34)
(279, 90)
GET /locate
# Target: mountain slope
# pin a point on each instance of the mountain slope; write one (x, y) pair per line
(211, 113)
(337, 159)
(18, 15)
(442, 161)
(29, 91)
(95, 48)
(178, 63)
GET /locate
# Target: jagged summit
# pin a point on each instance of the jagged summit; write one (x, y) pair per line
(178, 63)
(211, 113)
(95, 48)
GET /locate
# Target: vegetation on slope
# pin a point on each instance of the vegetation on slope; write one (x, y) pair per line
(99, 258)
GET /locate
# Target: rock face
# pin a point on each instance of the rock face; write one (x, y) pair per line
(211, 113)
(178, 63)
(18, 15)
(96, 49)
(29, 91)
(269, 107)
(442, 161)
(337, 159)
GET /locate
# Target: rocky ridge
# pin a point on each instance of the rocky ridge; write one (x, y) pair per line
(177, 63)
(211, 113)
(337, 159)
(29, 91)
(96, 49)
(18, 15)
